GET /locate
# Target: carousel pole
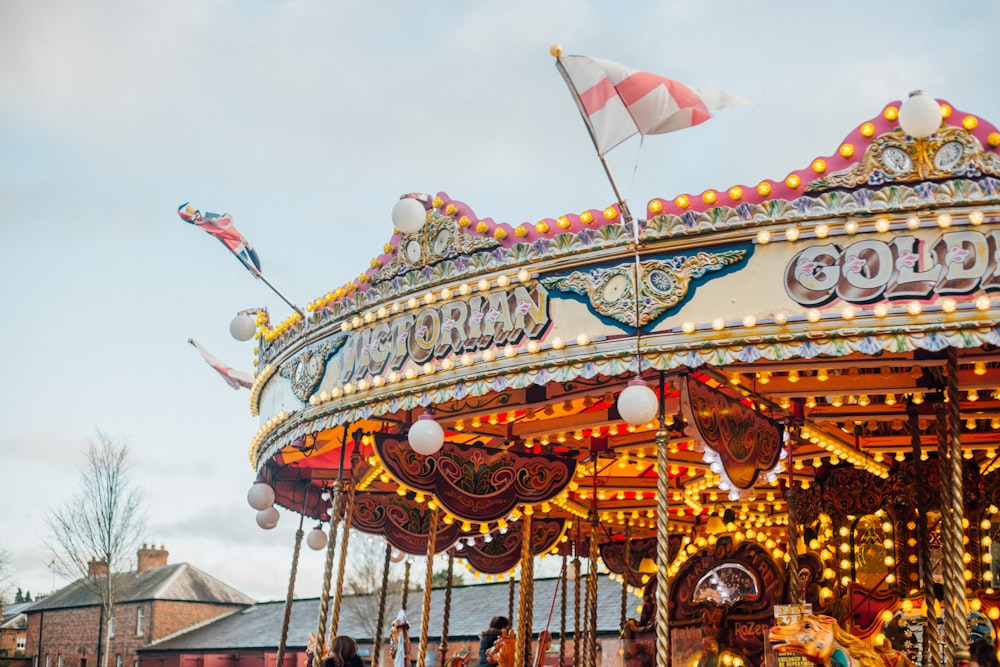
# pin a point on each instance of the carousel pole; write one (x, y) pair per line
(931, 653)
(562, 615)
(521, 657)
(428, 582)
(443, 646)
(380, 623)
(510, 599)
(592, 594)
(291, 581)
(794, 584)
(345, 539)
(662, 540)
(577, 653)
(952, 507)
(406, 584)
(331, 545)
(625, 574)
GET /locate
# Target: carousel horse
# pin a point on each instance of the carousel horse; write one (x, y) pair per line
(820, 640)
(458, 661)
(503, 651)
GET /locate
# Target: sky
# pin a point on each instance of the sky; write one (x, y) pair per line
(306, 120)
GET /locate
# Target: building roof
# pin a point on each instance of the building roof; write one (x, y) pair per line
(12, 616)
(472, 607)
(180, 582)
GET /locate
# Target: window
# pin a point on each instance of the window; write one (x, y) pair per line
(140, 614)
(118, 660)
(21, 642)
(111, 627)
(59, 660)
(48, 660)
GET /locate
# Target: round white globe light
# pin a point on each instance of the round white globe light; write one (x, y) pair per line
(408, 215)
(920, 115)
(242, 327)
(261, 495)
(426, 435)
(268, 519)
(316, 539)
(637, 403)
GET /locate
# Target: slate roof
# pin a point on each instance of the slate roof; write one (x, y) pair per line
(180, 582)
(472, 607)
(13, 617)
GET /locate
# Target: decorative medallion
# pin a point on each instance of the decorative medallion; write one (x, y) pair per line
(403, 522)
(503, 552)
(473, 482)
(739, 443)
(896, 157)
(306, 370)
(664, 282)
(439, 239)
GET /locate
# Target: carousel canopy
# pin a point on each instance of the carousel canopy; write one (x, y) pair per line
(792, 334)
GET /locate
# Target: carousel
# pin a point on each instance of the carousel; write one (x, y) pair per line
(773, 409)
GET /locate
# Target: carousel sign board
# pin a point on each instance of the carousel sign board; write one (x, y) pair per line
(441, 329)
(905, 267)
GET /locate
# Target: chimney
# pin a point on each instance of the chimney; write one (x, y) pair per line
(97, 568)
(151, 557)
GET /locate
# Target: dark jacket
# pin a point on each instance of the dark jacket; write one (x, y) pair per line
(486, 642)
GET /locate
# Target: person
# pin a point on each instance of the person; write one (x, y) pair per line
(982, 653)
(399, 641)
(343, 653)
(489, 637)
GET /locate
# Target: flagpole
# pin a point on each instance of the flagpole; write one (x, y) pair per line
(258, 274)
(626, 215)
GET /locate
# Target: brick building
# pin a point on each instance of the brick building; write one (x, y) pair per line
(13, 629)
(157, 600)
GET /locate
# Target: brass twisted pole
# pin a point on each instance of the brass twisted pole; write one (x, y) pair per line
(523, 627)
(592, 595)
(428, 582)
(662, 543)
(324, 600)
(562, 614)
(345, 540)
(380, 623)
(794, 585)
(952, 506)
(443, 646)
(291, 582)
(406, 584)
(625, 573)
(931, 653)
(510, 599)
(530, 614)
(577, 653)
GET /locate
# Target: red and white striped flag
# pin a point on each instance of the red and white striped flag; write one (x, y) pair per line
(618, 102)
(234, 378)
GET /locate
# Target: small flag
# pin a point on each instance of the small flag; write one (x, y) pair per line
(233, 378)
(618, 102)
(220, 225)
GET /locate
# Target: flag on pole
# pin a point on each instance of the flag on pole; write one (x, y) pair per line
(220, 225)
(233, 378)
(618, 102)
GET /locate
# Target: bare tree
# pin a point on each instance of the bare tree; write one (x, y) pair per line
(363, 584)
(96, 533)
(5, 576)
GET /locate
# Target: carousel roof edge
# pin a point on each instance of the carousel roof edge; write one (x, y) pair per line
(849, 181)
